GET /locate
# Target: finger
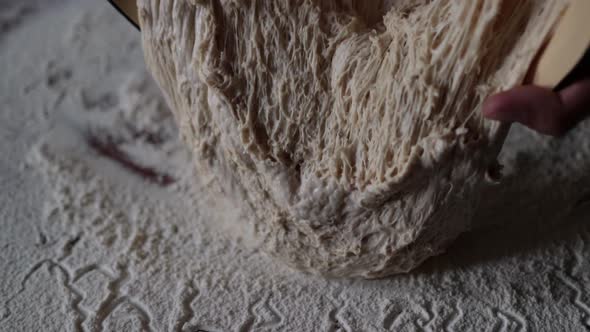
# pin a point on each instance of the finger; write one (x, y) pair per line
(538, 108)
(576, 101)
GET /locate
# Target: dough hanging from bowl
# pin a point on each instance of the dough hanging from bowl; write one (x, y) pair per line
(348, 130)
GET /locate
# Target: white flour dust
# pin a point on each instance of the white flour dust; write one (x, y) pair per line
(103, 229)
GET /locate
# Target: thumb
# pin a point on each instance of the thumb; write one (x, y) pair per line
(546, 111)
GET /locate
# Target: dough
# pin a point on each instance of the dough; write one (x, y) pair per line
(348, 130)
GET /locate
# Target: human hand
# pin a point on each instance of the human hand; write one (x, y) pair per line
(541, 109)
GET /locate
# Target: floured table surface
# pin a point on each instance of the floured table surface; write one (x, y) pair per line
(102, 229)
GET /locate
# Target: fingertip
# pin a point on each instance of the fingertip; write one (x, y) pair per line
(491, 107)
(502, 107)
(535, 107)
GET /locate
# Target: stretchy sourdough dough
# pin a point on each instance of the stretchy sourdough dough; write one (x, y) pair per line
(349, 130)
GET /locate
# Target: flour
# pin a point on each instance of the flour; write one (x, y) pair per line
(88, 243)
